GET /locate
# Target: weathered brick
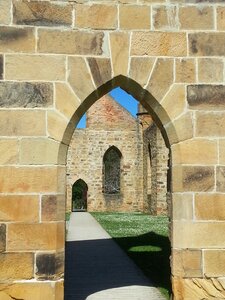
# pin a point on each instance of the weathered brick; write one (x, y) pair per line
(185, 70)
(161, 78)
(42, 13)
(52, 208)
(16, 266)
(187, 263)
(159, 44)
(19, 208)
(140, 68)
(209, 207)
(17, 39)
(25, 94)
(120, 52)
(220, 176)
(210, 70)
(134, 17)
(9, 151)
(49, 266)
(30, 179)
(214, 263)
(96, 16)
(165, 17)
(70, 42)
(101, 70)
(193, 17)
(42, 236)
(207, 44)
(210, 124)
(33, 67)
(22, 123)
(5, 12)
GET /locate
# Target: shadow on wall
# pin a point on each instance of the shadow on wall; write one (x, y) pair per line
(95, 268)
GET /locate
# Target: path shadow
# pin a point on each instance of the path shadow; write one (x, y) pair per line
(97, 265)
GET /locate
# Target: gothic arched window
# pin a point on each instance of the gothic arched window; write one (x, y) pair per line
(111, 171)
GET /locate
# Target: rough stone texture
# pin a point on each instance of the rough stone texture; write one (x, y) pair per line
(19, 208)
(42, 236)
(16, 266)
(220, 17)
(185, 70)
(187, 263)
(222, 152)
(134, 17)
(9, 151)
(209, 207)
(210, 70)
(214, 263)
(210, 124)
(182, 207)
(96, 16)
(120, 52)
(207, 44)
(49, 266)
(220, 176)
(161, 78)
(1, 66)
(25, 94)
(5, 13)
(101, 70)
(22, 123)
(38, 67)
(165, 17)
(192, 17)
(42, 13)
(17, 39)
(52, 208)
(2, 237)
(70, 42)
(159, 44)
(140, 68)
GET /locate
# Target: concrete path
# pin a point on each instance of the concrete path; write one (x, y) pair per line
(97, 269)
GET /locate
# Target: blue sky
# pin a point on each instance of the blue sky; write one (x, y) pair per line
(122, 97)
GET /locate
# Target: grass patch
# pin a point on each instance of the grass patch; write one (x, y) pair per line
(145, 239)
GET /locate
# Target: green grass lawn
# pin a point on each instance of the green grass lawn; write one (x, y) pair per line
(145, 239)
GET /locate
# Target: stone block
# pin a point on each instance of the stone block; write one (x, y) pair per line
(193, 179)
(28, 291)
(134, 17)
(210, 70)
(17, 39)
(5, 12)
(214, 263)
(52, 208)
(96, 16)
(80, 78)
(187, 263)
(220, 178)
(31, 179)
(42, 13)
(198, 151)
(161, 78)
(70, 42)
(119, 42)
(39, 151)
(2, 237)
(210, 124)
(101, 70)
(198, 235)
(29, 237)
(49, 266)
(1, 66)
(56, 125)
(65, 99)
(222, 152)
(210, 207)
(140, 68)
(194, 18)
(182, 206)
(25, 94)
(165, 17)
(35, 67)
(16, 266)
(207, 44)
(9, 151)
(22, 123)
(159, 44)
(174, 102)
(220, 18)
(185, 70)
(19, 208)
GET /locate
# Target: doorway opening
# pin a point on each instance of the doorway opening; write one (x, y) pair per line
(79, 196)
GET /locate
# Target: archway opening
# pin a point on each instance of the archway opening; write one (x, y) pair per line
(79, 196)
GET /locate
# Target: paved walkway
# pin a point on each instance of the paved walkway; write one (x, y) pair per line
(97, 269)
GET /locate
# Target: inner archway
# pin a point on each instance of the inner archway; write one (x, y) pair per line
(79, 196)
